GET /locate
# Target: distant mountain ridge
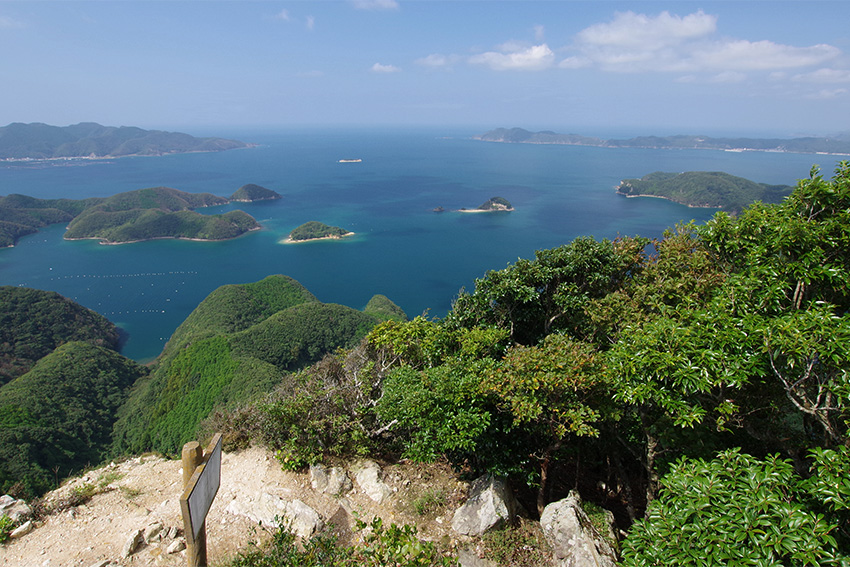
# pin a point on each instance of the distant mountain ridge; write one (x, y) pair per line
(91, 140)
(805, 145)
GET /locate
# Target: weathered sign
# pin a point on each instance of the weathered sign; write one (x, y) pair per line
(201, 490)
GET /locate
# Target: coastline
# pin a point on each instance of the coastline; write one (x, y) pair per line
(112, 157)
(288, 240)
(484, 210)
(108, 243)
(669, 199)
(616, 147)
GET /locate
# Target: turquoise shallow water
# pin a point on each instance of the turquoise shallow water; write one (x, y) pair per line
(418, 258)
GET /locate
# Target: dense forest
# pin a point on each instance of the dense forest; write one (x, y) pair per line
(66, 382)
(143, 214)
(34, 322)
(696, 385)
(252, 192)
(704, 189)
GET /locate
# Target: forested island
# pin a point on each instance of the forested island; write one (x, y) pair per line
(315, 230)
(251, 193)
(20, 141)
(692, 389)
(704, 189)
(809, 145)
(143, 214)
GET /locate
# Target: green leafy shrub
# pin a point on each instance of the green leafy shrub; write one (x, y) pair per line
(741, 510)
(6, 527)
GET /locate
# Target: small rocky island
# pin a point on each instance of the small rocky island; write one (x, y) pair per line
(251, 193)
(492, 205)
(315, 230)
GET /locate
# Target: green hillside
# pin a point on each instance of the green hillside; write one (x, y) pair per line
(57, 418)
(34, 322)
(232, 308)
(704, 189)
(241, 341)
(21, 215)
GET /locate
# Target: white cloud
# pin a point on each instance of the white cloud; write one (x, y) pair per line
(669, 43)
(375, 4)
(824, 76)
(760, 55)
(380, 68)
(647, 33)
(310, 23)
(515, 58)
(283, 15)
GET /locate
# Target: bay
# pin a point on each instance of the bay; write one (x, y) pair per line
(418, 258)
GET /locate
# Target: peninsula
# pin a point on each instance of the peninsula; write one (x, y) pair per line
(250, 193)
(132, 216)
(315, 230)
(713, 189)
(807, 145)
(90, 140)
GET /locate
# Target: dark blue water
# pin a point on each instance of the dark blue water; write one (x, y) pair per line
(418, 258)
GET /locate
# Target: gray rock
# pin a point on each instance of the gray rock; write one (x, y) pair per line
(176, 546)
(333, 480)
(102, 563)
(367, 474)
(490, 505)
(153, 532)
(17, 510)
(574, 540)
(22, 530)
(132, 543)
(274, 511)
(303, 520)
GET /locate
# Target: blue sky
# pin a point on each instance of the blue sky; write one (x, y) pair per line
(589, 67)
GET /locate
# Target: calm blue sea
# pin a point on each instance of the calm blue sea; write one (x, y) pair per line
(418, 258)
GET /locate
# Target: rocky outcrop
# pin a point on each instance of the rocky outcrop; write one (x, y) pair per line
(574, 540)
(132, 543)
(16, 510)
(333, 480)
(490, 505)
(273, 511)
(367, 474)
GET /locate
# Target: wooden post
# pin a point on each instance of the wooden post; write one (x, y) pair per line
(196, 548)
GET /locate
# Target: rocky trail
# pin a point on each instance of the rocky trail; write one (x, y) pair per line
(138, 501)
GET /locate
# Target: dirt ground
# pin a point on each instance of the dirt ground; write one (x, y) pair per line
(140, 492)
